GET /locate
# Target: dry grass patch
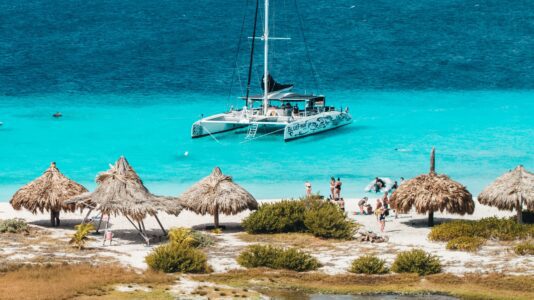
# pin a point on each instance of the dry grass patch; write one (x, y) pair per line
(69, 281)
(294, 239)
(471, 286)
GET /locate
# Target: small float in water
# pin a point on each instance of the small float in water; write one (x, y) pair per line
(375, 186)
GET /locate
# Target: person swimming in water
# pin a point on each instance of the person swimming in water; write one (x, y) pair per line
(57, 115)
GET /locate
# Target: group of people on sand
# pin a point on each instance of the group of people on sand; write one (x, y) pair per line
(383, 205)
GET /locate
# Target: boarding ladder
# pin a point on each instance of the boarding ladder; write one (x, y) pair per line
(252, 129)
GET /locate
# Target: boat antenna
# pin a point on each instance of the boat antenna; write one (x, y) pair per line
(237, 55)
(308, 57)
(252, 51)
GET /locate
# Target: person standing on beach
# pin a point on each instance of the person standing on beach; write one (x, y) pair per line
(332, 188)
(380, 213)
(338, 188)
(308, 186)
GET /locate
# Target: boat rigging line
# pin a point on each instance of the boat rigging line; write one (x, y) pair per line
(252, 51)
(308, 57)
(237, 56)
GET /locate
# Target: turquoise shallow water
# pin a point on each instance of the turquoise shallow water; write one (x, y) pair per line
(478, 136)
(131, 76)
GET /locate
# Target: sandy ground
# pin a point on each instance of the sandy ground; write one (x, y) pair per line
(406, 232)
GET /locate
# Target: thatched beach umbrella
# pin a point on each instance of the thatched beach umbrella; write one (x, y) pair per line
(433, 192)
(217, 193)
(48, 193)
(511, 191)
(120, 191)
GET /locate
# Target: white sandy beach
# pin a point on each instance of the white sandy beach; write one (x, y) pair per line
(409, 231)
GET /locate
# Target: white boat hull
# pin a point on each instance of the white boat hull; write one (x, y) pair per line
(316, 124)
(206, 127)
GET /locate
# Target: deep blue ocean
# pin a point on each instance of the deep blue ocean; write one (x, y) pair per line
(130, 77)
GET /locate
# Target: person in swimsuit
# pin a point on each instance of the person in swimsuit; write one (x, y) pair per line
(308, 186)
(338, 188)
(332, 188)
(380, 213)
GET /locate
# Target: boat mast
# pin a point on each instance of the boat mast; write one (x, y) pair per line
(266, 59)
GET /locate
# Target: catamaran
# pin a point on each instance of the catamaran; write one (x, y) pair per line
(277, 109)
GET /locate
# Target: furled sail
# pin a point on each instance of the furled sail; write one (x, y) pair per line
(273, 86)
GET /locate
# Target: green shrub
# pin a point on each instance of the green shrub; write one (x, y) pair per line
(326, 220)
(277, 258)
(278, 217)
(13, 226)
(451, 230)
(524, 248)
(171, 258)
(186, 237)
(368, 264)
(416, 261)
(505, 229)
(80, 237)
(465, 243)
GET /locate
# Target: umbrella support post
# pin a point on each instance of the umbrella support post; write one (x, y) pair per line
(160, 225)
(87, 216)
(430, 219)
(139, 226)
(143, 224)
(519, 209)
(216, 216)
(147, 241)
(99, 223)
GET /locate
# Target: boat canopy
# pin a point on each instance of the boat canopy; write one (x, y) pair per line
(290, 97)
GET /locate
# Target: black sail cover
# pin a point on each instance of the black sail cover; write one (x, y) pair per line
(274, 86)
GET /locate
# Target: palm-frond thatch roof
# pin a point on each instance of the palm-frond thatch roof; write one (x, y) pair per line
(121, 191)
(433, 192)
(47, 193)
(217, 193)
(510, 191)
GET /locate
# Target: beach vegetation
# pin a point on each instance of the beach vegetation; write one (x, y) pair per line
(81, 236)
(186, 237)
(524, 248)
(504, 229)
(13, 226)
(301, 240)
(173, 258)
(278, 217)
(416, 261)
(369, 264)
(74, 281)
(465, 243)
(310, 214)
(256, 256)
(326, 220)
